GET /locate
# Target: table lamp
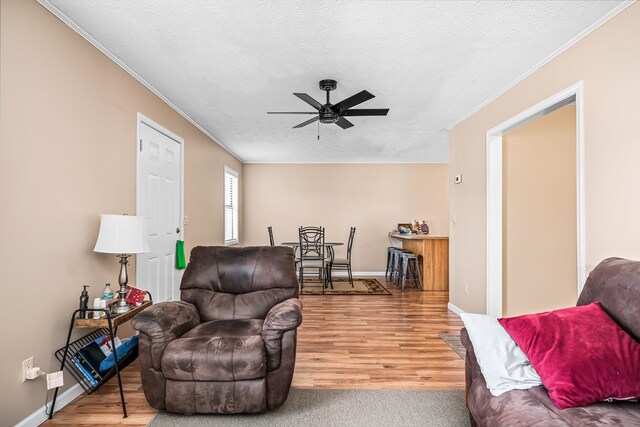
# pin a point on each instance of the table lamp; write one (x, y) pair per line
(122, 235)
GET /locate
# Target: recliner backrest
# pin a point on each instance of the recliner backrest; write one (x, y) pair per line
(615, 283)
(226, 283)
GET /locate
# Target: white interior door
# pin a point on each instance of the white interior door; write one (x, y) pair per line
(160, 199)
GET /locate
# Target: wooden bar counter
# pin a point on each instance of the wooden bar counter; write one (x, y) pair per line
(435, 257)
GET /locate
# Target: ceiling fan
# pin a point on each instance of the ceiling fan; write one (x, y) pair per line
(330, 113)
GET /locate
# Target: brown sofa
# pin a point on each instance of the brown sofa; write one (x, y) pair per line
(229, 345)
(615, 283)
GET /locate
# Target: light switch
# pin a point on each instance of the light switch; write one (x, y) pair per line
(457, 179)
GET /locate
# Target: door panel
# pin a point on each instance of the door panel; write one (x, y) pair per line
(159, 198)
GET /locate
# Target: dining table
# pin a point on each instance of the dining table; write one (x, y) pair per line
(296, 244)
(328, 245)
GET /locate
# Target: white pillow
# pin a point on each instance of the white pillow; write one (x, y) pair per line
(503, 364)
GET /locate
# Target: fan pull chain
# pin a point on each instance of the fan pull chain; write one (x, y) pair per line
(318, 130)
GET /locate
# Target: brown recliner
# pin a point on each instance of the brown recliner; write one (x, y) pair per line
(230, 345)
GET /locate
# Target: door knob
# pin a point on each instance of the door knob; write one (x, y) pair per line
(178, 230)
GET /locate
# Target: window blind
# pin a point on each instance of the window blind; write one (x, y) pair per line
(230, 206)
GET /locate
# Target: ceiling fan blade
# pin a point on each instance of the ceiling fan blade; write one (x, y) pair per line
(309, 100)
(289, 112)
(366, 112)
(308, 122)
(352, 101)
(344, 123)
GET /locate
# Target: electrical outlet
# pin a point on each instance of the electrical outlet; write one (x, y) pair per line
(26, 365)
(466, 288)
(185, 221)
(54, 380)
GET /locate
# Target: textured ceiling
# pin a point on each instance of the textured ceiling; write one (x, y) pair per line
(226, 63)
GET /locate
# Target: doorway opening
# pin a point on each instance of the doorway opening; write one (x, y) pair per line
(495, 264)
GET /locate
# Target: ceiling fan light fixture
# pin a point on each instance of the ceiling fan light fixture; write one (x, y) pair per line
(334, 114)
(328, 116)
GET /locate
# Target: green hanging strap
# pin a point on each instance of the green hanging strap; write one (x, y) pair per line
(181, 262)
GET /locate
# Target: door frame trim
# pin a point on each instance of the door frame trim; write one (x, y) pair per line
(142, 119)
(493, 141)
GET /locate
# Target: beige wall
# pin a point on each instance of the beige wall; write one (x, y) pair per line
(607, 61)
(539, 214)
(67, 154)
(374, 198)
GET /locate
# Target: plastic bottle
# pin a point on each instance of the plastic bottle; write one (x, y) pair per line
(107, 293)
(96, 305)
(84, 302)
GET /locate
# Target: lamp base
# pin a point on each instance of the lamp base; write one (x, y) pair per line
(120, 307)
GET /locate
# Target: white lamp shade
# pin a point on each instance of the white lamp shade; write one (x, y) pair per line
(122, 234)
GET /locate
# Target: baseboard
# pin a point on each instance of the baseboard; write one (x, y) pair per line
(39, 415)
(457, 310)
(364, 274)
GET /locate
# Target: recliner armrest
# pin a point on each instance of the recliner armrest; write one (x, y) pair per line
(164, 322)
(282, 317)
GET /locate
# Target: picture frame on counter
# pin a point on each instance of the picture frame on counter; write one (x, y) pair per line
(404, 228)
(419, 227)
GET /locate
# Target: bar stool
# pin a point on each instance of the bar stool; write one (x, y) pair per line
(396, 264)
(411, 265)
(390, 250)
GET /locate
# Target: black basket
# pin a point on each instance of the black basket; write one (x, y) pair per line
(76, 345)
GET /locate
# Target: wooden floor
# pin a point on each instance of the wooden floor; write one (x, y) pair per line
(364, 342)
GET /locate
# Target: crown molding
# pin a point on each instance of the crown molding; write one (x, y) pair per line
(395, 162)
(613, 12)
(85, 35)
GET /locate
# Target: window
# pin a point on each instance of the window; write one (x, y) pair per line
(230, 206)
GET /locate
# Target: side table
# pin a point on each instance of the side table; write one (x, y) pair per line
(107, 325)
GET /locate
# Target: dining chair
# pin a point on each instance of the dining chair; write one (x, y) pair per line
(312, 254)
(271, 241)
(343, 263)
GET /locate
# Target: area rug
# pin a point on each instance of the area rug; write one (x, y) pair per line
(353, 408)
(343, 287)
(453, 341)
